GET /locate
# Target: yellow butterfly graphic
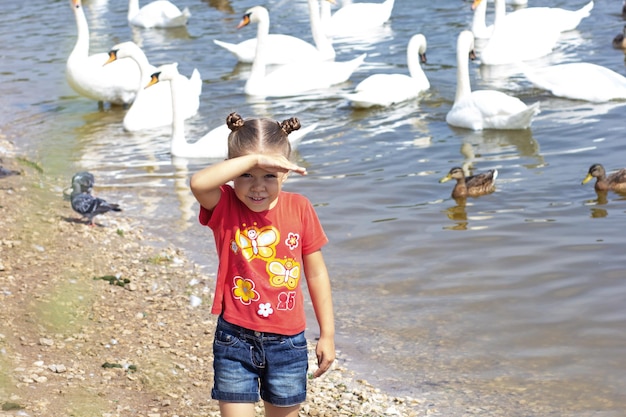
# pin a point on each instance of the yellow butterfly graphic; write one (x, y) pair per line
(284, 273)
(257, 242)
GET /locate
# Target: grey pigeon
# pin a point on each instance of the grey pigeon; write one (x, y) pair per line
(4, 172)
(85, 179)
(87, 205)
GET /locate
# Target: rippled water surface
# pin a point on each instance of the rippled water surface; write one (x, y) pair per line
(516, 298)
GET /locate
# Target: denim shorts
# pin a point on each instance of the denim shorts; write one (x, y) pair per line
(248, 363)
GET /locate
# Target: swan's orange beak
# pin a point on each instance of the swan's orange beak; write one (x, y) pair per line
(154, 78)
(76, 3)
(332, 2)
(112, 57)
(475, 4)
(245, 21)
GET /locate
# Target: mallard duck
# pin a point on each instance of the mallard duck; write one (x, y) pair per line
(615, 182)
(619, 41)
(473, 185)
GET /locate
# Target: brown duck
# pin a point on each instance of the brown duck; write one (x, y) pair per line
(619, 41)
(472, 186)
(615, 182)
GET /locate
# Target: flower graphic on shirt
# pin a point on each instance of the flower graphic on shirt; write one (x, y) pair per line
(285, 273)
(233, 246)
(292, 240)
(265, 309)
(244, 290)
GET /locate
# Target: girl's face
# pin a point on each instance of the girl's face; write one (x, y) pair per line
(258, 189)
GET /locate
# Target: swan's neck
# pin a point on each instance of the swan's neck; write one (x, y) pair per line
(144, 66)
(178, 121)
(81, 48)
(463, 86)
(325, 15)
(257, 72)
(479, 22)
(133, 8)
(500, 12)
(413, 61)
(323, 44)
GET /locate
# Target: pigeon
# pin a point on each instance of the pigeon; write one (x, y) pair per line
(85, 179)
(86, 204)
(4, 172)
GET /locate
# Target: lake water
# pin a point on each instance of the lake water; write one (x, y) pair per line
(516, 299)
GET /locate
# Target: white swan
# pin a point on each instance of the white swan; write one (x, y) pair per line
(484, 109)
(355, 18)
(556, 18)
(388, 89)
(291, 79)
(285, 49)
(157, 14)
(87, 75)
(215, 143)
(579, 81)
(515, 41)
(151, 107)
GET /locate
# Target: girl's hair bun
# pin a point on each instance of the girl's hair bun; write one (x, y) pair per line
(290, 125)
(234, 121)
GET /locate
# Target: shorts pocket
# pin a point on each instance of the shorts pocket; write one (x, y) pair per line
(225, 339)
(298, 341)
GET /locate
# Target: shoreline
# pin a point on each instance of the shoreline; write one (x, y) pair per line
(74, 344)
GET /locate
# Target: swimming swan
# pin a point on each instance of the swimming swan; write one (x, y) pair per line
(291, 79)
(355, 18)
(89, 77)
(151, 107)
(579, 81)
(215, 143)
(157, 14)
(484, 109)
(556, 18)
(388, 89)
(278, 44)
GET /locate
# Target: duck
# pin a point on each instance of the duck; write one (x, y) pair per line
(214, 144)
(484, 109)
(290, 79)
(619, 41)
(88, 76)
(355, 18)
(157, 14)
(277, 44)
(614, 182)
(562, 20)
(151, 108)
(473, 185)
(387, 89)
(600, 84)
(512, 42)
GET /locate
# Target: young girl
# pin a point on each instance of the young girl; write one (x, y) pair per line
(266, 240)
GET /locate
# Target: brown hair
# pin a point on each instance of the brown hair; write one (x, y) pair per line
(259, 134)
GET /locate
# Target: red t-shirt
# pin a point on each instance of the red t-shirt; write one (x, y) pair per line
(261, 260)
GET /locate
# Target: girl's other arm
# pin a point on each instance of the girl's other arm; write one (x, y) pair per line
(318, 283)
